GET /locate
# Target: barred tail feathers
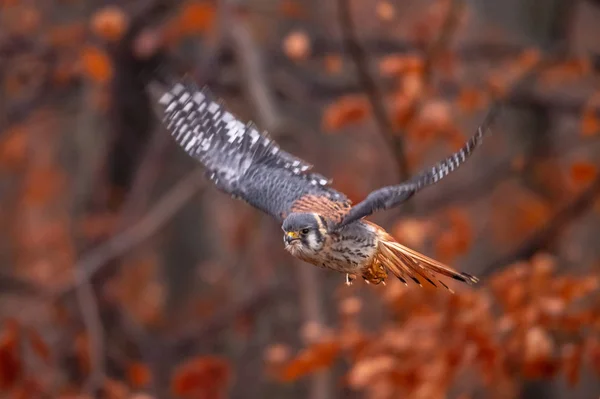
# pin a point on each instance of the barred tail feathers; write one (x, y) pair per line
(408, 264)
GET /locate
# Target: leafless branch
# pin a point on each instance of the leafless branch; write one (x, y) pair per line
(253, 80)
(119, 244)
(116, 246)
(213, 325)
(369, 85)
(258, 90)
(549, 232)
(443, 37)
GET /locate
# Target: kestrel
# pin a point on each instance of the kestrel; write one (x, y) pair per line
(320, 224)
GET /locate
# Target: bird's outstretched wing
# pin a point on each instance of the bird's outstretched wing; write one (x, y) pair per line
(390, 196)
(240, 160)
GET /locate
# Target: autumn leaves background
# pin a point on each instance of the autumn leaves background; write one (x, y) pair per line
(125, 275)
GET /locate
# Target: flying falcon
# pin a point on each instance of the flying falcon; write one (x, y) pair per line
(320, 224)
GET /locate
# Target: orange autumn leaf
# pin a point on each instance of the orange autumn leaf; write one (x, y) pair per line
(311, 359)
(456, 240)
(297, 45)
(567, 71)
(528, 58)
(412, 232)
(347, 110)
(277, 354)
(13, 147)
(82, 352)
(366, 371)
(11, 367)
(204, 376)
(40, 348)
(590, 123)
(397, 65)
(403, 110)
(333, 63)
(196, 17)
(583, 173)
(470, 100)
(41, 184)
(96, 64)
(138, 374)
(385, 11)
(68, 35)
(292, 9)
(109, 23)
(24, 20)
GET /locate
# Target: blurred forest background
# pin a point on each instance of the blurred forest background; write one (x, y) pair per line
(125, 275)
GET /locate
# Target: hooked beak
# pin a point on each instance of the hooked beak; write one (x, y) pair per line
(290, 236)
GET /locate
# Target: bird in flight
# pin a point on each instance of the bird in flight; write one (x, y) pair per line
(320, 224)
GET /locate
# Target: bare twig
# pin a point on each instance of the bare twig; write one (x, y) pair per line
(369, 85)
(258, 89)
(211, 327)
(253, 78)
(119, 244)
(114, 247)
(443, 37)
(555, 226)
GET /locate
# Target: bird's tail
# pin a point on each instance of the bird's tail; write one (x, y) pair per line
(408, 264)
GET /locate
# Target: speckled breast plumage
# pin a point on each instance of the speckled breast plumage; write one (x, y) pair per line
(350, 250)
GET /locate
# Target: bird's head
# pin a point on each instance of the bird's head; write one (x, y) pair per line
(304, 232)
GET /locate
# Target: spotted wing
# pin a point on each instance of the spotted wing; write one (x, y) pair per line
(239, 160)
(388, 197)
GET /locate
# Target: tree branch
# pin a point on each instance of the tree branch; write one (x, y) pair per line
(555, 226)
(441, 41)
(259, 91)
(369, 85)
(119, 244)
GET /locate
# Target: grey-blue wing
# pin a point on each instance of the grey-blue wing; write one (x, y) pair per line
(239, 159)
(390, 196)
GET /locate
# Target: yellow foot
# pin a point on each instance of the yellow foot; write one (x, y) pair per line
(349, 278)
(375, 274)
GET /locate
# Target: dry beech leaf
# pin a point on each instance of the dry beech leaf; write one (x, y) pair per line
(365, 371)
(197, 17)
(296, 45)
(67, 35)
(204, 376)
(277, 354)
(398, 65)
(314, 358)
(292, 9)
(471, 100)
(583, 173)
(13, 147)
(11, 367)
(138, 374)
(590, 123)
(109, 23)
(345, 111)
(333, 63)
(412, 232)
(350, 306)
(385, 11)
(96, 64)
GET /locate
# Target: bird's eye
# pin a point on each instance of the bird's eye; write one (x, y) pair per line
(304, 231)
